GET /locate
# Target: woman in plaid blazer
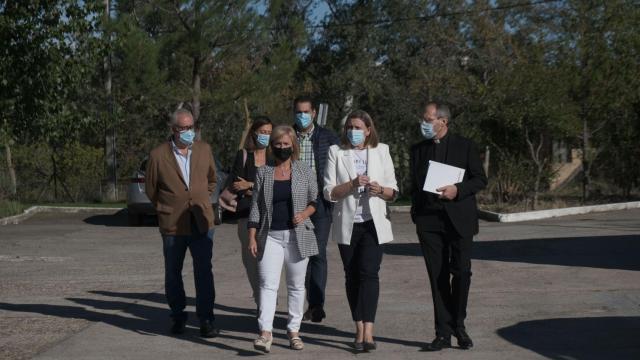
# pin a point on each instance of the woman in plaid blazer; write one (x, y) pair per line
(280, 232)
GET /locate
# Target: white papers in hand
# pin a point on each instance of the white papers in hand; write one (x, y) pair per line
(440, 175)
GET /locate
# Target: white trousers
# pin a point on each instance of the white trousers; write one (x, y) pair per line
(281, 248)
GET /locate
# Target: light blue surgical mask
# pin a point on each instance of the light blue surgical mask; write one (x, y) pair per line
(263, 140)
(303, 120)
(187, 136)
(427, 130)
(356, 136)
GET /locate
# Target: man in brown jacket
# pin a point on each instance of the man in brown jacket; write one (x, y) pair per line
(179, 181)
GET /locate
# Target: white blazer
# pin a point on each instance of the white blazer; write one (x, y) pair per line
(339, 170)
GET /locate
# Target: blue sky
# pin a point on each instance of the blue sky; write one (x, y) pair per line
(319, 10)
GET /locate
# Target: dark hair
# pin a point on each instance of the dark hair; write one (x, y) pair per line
(371, 140)
(304, 99)
(258, 122)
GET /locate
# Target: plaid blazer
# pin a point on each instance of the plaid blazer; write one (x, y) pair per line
(304, 191)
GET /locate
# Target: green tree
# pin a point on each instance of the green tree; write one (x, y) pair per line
(48, 57)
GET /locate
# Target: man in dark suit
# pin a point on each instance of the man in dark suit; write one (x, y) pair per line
(180, 178)
(446, 223)
(314, 143)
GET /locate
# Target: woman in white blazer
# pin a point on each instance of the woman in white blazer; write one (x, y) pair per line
(360, 179)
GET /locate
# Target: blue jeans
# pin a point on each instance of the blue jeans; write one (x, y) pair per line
(201, 248)
(317, 269)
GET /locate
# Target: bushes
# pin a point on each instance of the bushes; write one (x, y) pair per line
(10, 208)
(71, 173)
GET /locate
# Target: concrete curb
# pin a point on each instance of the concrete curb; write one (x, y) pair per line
(547, 214)
(541, 214)
(482, 214)
(16, 219)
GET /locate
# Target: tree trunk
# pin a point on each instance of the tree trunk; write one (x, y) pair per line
(539, 161)
(111, 193)
(586, 161)
(12, 172)
(487, 158)
(195, 83)
(247, 125)
(536, 188)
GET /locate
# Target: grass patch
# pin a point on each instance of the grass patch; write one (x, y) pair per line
(10, 208)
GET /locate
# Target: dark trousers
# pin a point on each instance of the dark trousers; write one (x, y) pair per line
(316, 280)
(201, 248)
(361, 260)
(448, 259)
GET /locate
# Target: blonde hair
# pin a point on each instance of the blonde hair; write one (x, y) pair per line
(282, 130)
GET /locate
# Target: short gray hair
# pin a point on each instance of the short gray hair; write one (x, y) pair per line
(174, 117)
(442, 111)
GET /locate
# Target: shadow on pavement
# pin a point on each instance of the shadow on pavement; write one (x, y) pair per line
(147, 320)
(618, 252)
(119, 219)
(154, 321)
(578, 338)
(280, 322)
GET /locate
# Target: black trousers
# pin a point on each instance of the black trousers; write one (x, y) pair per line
(361, 260)
(201, 247)
(448, 259)
(316, 280)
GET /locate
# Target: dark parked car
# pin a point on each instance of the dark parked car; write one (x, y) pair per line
(139, 205)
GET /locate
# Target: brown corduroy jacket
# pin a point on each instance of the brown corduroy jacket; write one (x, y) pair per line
(173, 200)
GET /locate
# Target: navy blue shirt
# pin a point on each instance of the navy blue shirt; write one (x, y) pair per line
(282, 206)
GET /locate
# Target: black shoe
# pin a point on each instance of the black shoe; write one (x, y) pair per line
(464, 341)
(358, 346)
(207, 330)
(439, 343)
(307, 315)
(370, 346)
(178, 326)
(317, 314)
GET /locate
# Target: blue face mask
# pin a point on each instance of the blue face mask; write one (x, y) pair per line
(356, 136)
(187, 136)
(427, 130)
(303, 120)
(263, 140)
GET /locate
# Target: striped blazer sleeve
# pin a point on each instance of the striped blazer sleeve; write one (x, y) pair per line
(312, 190)
(258, 186)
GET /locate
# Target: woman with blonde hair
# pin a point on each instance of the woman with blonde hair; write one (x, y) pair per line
(280, 232)
(360, 179)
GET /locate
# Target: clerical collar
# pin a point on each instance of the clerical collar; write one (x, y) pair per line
(442, 139)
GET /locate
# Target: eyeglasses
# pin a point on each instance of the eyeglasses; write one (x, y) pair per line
(429, 121)
(183, 128)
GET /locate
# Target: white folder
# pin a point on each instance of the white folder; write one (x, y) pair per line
(440, 175)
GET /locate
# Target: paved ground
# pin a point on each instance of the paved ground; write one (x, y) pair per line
(86, 286)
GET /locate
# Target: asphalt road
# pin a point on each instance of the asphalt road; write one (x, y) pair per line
(87, 286)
